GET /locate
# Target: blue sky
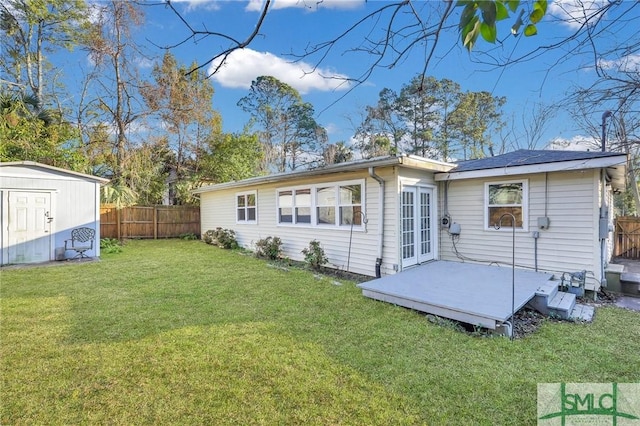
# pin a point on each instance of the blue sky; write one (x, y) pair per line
(293, 25)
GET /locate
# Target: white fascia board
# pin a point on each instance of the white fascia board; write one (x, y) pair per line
(406, 161)
(560, 166)
(34, 164)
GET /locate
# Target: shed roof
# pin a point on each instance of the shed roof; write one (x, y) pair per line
(36, 165)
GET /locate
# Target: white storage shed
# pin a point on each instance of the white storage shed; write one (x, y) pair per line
(39, 207)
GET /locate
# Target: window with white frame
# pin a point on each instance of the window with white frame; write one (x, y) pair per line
(505, 198)
(246, 207)
(331, 204)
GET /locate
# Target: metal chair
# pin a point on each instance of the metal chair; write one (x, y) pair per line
(81, 241)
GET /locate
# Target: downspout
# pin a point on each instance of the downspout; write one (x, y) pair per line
(603, 223)
(373, 174)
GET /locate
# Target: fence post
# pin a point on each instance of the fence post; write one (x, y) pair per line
(155, 222)
(118, 219)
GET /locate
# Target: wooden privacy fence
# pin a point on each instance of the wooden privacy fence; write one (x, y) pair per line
(627, 237)
(149, 221)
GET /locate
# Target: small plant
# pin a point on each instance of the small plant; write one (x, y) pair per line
(314, 255)
(224, 238)
(269, 248)
(110, 245)
(188, 236)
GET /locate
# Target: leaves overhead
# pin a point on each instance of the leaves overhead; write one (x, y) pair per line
(480, 18)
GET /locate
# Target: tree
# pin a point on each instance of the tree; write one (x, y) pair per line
(403, 25)
(184, 106)
(112, 49)
(230, 157)
(336, 153)
(32, 29)
(289, 134)
(419, 107)
(476, 117)
(27, 133)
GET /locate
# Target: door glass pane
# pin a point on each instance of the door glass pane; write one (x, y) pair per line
(425, 223)
(408, 225)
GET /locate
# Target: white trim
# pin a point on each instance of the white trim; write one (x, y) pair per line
(28, 164)
(433, 221)
(244, 194)
(592, 163)
(314, 204)
(409, 161)
(524, 206)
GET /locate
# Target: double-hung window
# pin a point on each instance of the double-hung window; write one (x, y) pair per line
(350, 204)
(246, 207)
(504, 199)
(322, 205)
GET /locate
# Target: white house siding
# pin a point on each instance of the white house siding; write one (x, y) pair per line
(569, 245)
(75, 201)
(218, 210)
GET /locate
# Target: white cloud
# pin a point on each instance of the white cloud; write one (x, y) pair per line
(574, 13)
(245, 65)
(309, 5)
(199, 4)
(629, 63)
(576, 143)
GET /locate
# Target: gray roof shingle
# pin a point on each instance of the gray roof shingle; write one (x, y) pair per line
(526, 157)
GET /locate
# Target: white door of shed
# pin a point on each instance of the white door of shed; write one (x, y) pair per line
(29, 227)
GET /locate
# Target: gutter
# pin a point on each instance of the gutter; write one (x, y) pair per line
(380, 181)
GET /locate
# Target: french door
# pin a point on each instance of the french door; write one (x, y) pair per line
(417, 239)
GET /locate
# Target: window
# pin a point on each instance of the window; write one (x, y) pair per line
(350, 205)
(285, 207)
(246, 205)
(303, 205)
(506, 197)
(326, 205)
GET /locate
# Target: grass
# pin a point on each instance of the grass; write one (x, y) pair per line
(179, 332)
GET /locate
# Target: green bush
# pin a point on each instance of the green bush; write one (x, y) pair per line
(224, 238)
(269, 248)
(314, 255)
(110, 245)
(188, 236)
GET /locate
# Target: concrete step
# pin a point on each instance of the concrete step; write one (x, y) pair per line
(582, 313)
(561, 304)
(630, 277)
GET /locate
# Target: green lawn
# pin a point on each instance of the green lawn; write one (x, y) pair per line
(179, 332)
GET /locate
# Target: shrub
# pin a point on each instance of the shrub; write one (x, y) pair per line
(224, 238)
(269, 248)
(188, 236)
(314, 255)
(110, 245)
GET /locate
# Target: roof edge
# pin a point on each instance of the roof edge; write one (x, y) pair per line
(410, 161)
(102, 181)
(558, 166)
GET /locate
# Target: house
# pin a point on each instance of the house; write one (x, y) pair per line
(381, 216)
(39, 207)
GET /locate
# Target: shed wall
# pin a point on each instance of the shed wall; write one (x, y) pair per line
(75, 201)
(570, 201)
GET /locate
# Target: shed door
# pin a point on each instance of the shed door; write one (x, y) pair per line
(417, 227)
(29, 227)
